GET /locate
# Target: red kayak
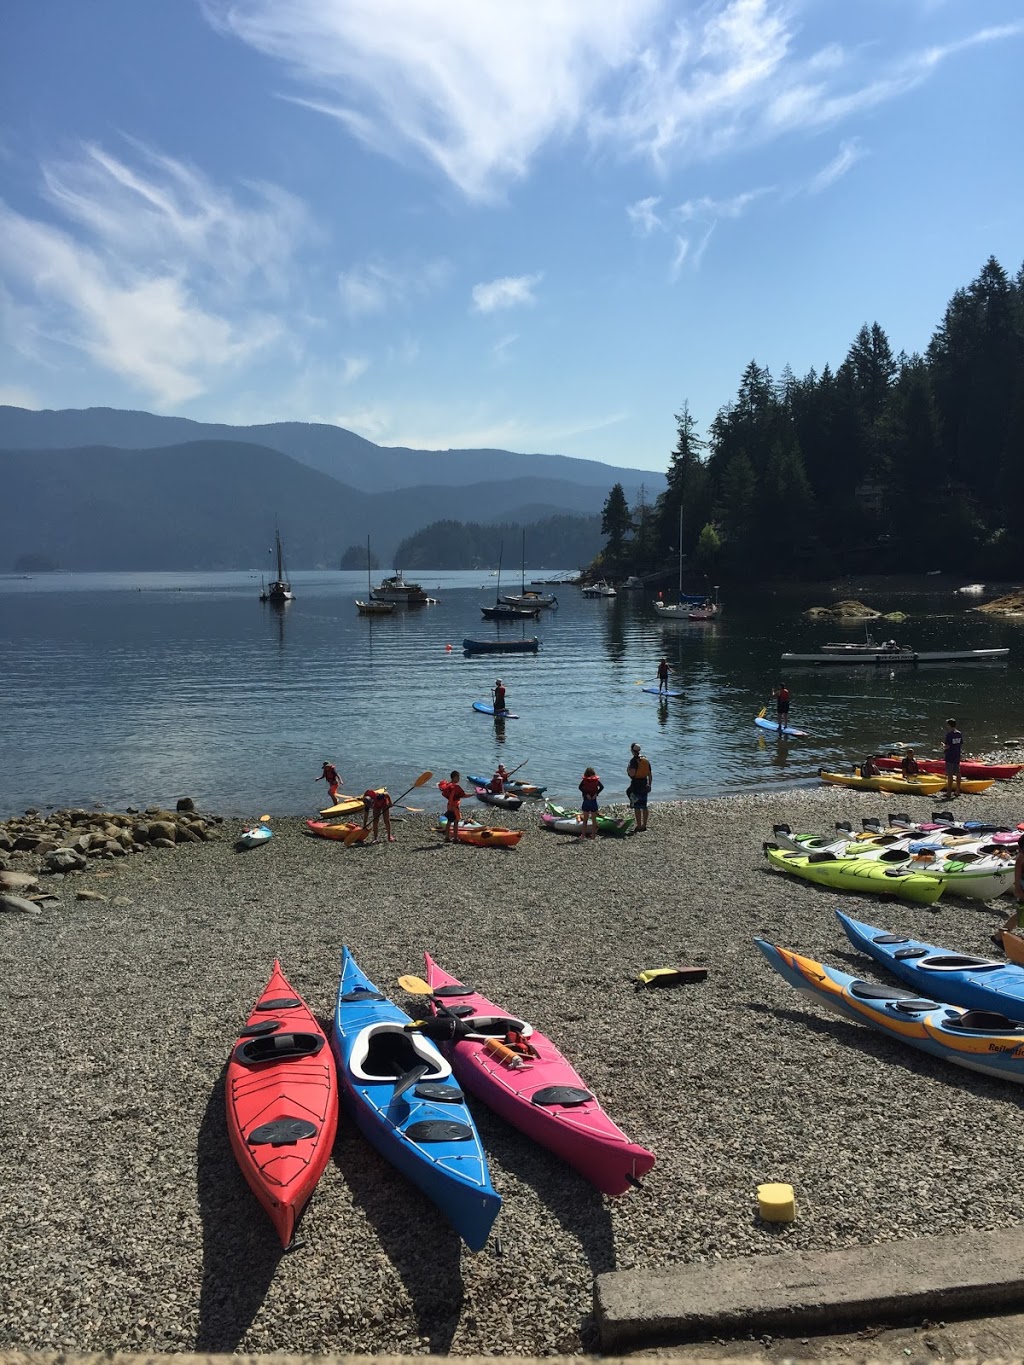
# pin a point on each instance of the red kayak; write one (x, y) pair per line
(969, 767)
(282, 1103)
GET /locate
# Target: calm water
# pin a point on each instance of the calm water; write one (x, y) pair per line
(124, 690)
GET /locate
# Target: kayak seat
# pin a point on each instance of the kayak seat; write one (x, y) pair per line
(889, 939)
(439, 1093)
(284, 1002)
(567, 1095)
(439, 1130)
(984, 1021)
(893, 855)
(822, 857)
(283, 1132)
(384, 1051)
(959, 962)
(908, 954)
(278, 1047)
(867, 990)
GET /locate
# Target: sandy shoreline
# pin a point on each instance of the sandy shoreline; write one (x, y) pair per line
(131, 1228)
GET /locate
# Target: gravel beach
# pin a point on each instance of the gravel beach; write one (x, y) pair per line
(128, 1226)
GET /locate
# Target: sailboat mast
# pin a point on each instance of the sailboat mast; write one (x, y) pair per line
(280, 557)
(369, 588)
(522, 579)
(497, 591)
(680, 551)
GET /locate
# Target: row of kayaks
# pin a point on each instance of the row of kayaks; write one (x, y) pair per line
(914, 861)
(406, 1093)
(964, 1009)
(924, 784)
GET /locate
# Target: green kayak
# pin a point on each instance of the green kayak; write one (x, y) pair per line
(857, 874)
(561, 821)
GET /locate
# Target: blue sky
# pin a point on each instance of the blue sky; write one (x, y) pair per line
(537, 224)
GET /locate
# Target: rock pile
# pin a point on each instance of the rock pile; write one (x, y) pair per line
(68, 840)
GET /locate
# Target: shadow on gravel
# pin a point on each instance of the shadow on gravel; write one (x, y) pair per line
(579, 1207)
(414, 1235)
(241, 1250)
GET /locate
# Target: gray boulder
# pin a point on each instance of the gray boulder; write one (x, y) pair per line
(17, 905)
(63, 860)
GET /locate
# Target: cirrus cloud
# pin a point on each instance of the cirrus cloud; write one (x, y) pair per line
(512, 291)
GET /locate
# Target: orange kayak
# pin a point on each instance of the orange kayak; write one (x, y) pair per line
(281, 1093)
(484, 836)
(346, 834)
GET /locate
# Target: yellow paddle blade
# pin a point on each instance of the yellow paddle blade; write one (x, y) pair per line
(264, 819)
(762, 713)
(414, 985)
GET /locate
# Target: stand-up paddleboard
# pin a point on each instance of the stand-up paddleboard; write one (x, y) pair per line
(488, 710)
(767, 724)
(660, 692)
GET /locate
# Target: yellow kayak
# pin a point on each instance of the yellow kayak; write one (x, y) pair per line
(924, 784)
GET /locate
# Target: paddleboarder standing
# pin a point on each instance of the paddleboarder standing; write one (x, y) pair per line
(499, 697)
(330, 776)
(781, 695)
(663, 672)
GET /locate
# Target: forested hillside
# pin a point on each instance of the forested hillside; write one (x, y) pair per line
(891, 463)
(553, 542)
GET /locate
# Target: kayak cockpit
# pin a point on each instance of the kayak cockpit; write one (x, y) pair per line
(278, 1047)
(385, 1051)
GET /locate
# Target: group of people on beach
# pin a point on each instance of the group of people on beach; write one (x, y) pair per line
(377, 803)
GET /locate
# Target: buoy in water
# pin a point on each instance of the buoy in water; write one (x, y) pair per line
(448, 649)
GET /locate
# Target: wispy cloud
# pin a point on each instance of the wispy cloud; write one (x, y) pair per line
(706, 209)
(679, 255)
(848, 155)
(503, 344)
(354, 368)
(513, 291)
(154, 273)
(376, 286)
(643, 216)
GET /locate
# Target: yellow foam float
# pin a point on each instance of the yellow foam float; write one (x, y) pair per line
(776, 1203)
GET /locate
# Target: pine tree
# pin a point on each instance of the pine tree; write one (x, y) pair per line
(615, 523)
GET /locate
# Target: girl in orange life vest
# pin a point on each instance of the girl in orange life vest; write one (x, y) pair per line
(453, 794)
(330, 776)
(591, 787)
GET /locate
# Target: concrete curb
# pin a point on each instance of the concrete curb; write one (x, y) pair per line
(805, 1291)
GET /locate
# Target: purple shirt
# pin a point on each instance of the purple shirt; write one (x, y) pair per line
(953, 742)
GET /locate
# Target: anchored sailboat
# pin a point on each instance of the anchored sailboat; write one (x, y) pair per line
(372, 606)
(279, 589)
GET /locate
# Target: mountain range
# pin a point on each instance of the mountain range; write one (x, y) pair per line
(101, 488)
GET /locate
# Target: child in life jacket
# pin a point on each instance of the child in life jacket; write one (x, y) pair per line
(591, 787)
(497, 782)
(380, 803)
(454, 795)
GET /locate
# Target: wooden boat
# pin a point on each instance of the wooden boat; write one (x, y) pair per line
(281, 1096)
(981, 1040)
(372, 607)
(402, 1095)
(541, 1094)
(529, 646)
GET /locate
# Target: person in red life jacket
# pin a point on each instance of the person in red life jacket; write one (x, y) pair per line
(499, 697)
(591, 788)
(330, 776)
(454, 795)
(781, 695)
(497, 782)
(378, 803)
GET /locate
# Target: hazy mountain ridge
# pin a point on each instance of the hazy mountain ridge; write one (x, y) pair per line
(331, 450)
(214, 505)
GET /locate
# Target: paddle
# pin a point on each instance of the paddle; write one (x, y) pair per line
(414, 985)
(762, 713)
(264, 819)
(409, 1079)
(420, 781)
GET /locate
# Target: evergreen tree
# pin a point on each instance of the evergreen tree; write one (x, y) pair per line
(615, 523)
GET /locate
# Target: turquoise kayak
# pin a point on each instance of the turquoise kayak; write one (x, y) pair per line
(408, 1105)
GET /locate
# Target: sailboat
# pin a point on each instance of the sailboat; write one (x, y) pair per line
(526, 597)
(502, 610)
(694, 606)
(279, 589)
(372, 606)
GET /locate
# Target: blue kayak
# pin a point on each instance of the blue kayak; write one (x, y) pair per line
(977, 983)
(513, 787)
(408, 1105)
(488, 710)
(767, 724)
(254, 836)
(980, 1040)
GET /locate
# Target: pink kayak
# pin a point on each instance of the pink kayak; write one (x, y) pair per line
(542, 1095)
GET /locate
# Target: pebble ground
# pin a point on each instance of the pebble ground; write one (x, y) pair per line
(128, 1226)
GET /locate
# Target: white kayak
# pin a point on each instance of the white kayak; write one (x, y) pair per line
(254, 836)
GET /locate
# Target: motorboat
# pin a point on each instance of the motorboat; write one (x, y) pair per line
(867, 646)
(599, 589)
(396, 589)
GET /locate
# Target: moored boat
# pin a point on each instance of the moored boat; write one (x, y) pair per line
(372, 607)
(396, 589)
(281, 1096)
(541, 1093)
(599, 589)
(503, 611)
(402, 1094)
(886, 658)
(529, 646)
(981, 1040)
(278, 589)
